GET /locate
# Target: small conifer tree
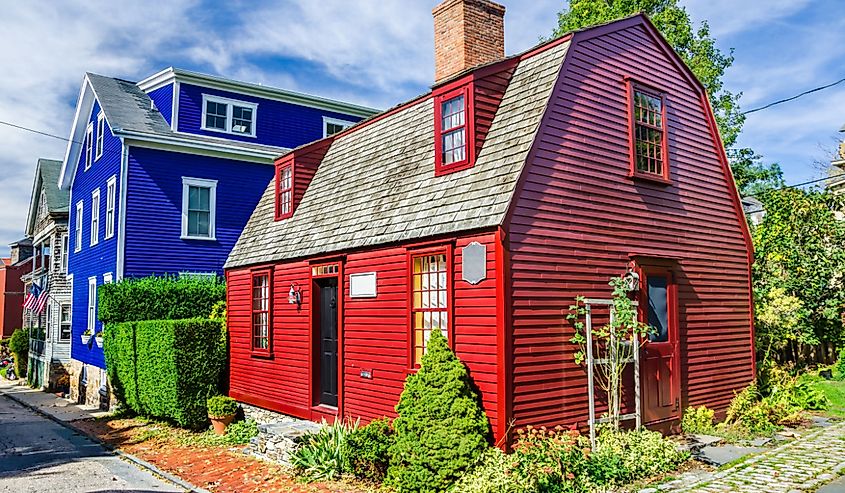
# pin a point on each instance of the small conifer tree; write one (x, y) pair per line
(441, 429)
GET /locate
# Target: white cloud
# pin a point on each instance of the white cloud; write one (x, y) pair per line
(727, 17)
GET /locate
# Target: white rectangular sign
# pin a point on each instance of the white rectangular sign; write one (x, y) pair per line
(362, 285)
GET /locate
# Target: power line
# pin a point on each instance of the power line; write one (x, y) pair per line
(20, 127)
(794, 97)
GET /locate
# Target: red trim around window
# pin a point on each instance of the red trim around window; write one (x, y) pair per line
(663, 177)
(257, 312)
(281, 211)
(466, 90)
(445, 250)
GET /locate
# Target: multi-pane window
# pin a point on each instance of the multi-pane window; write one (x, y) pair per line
(111, 188)
(228, 115)
(261, 311)
(89, 141)
(332, 126)
(101, 129)
(430, 301)
(42, 205)
(64, 323)
(198, 208)
(95, 217)
(648, 133)
(64, 253)
(77, 245)
(453, 130)
(285, 207)
(92, 304)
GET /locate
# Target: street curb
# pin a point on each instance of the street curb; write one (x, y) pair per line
(128, 457)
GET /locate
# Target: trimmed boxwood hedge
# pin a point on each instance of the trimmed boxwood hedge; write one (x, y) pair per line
(159, 298)
(167, 368)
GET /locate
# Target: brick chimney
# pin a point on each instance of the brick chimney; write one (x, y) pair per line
(467, 33)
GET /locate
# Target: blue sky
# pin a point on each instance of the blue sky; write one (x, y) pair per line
(376, 53)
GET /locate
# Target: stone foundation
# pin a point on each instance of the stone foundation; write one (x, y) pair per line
(279, 435)
(95, 391)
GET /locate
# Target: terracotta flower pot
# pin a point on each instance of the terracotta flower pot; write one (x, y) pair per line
(220, 423)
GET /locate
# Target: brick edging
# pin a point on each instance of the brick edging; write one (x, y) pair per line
(109, 447)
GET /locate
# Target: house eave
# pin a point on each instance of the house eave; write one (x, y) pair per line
(177, 143)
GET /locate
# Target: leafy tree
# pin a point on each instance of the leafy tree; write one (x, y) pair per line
(751, 175)
(19, 346)
(799, 270)
(441, 429)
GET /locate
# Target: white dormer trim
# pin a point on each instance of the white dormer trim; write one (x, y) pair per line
(336, 121)
(230, 104)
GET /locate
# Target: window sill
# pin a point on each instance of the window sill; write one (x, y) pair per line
(225, 132)
(261, 355)
(650, 178)
(201, 238)
(442, 170)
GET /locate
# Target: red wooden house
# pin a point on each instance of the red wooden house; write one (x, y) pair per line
(482, 209)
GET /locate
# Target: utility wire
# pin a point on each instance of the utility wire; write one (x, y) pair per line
(794, 97)
(36, 131)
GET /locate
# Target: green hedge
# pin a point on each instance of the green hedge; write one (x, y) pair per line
(167, 368)
(159, 298)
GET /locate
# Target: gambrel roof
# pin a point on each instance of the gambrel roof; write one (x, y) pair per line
(377, 184)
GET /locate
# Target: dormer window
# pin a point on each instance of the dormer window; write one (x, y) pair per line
(649, 153)
(453, 131)
(228, 115)
(332, 126)
(284, 191)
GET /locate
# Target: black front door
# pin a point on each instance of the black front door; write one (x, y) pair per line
(328, 342)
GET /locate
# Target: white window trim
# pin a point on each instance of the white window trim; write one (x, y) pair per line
(92, 303)
(89, 144)
(65, 252)
(100, 140)
(95, 214)
(229, 102)
(69, 320)
(336, 121)
(108, 277)
(111, 195)
(77, 246)
(212, 204)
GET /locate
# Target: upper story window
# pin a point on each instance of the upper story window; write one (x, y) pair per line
(453, 131)
(228, 115)
(101, 130)
(42, 205)
(95, 217)
(284, 192)
(64, 253)
(111, 189)
(648, 134)
(89, 141)
(430, 295)
(77, 230)
(332, 126)
(199, 199)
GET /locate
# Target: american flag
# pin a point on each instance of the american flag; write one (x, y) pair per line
(32, 297)
(41, 301)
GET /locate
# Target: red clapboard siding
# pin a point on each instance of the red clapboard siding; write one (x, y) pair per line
(375, 335)
(578, 216)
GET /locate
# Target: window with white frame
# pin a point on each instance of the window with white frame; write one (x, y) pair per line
(108, 277)
(92, 304)
(332, 126)
(228, 115)
(95, 217)
(111, 188)
(89, 141)
(199, 197)
(42, 205)
(65, 246)
(77, 245)
(101, 128)
(64, 323)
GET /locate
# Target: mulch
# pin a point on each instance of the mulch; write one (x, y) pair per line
(218, 469)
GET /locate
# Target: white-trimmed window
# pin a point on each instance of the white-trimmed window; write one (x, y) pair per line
(111, 189)
(92, 303)
(64, 322)
(89, 142)
(77, 245)
(95, 217)
(199, 198)
(108, 277)
(228, 115)
(42, 205)
(332, 126)
(101, 129)
(65, 246)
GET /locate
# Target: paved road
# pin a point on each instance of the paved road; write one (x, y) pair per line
(38, 455)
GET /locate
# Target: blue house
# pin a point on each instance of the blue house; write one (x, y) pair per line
(163, 175)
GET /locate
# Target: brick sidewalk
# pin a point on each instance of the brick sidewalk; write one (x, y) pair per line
(800, 465)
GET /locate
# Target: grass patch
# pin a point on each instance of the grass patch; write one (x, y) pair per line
(834, 390)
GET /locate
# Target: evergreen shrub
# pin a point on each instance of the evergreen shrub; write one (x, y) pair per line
(367, 450)
(167, 368)
(19, 346)
(159, 298)
(441, 429)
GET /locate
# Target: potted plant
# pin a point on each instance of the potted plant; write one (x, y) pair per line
(98, 338)
(221, 412)
(86, 336)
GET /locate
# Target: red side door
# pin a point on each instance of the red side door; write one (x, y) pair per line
(660, 359)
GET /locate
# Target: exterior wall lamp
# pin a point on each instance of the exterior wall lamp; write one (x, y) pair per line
(295, 294)
(632, 279)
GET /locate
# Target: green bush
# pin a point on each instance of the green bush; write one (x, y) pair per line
(220, 406)
(321, 456)
(159, 298)
(167, 368)
(839, 367)
(19, 346)
(697, 420)
(494, 474)
(441, 429)
(552, 461)
(218, 310)
(367, 450)
(631, 455)
(237, 433)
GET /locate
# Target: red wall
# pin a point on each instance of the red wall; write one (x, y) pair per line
(11, 297)
(375, 335)
(579, 216)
